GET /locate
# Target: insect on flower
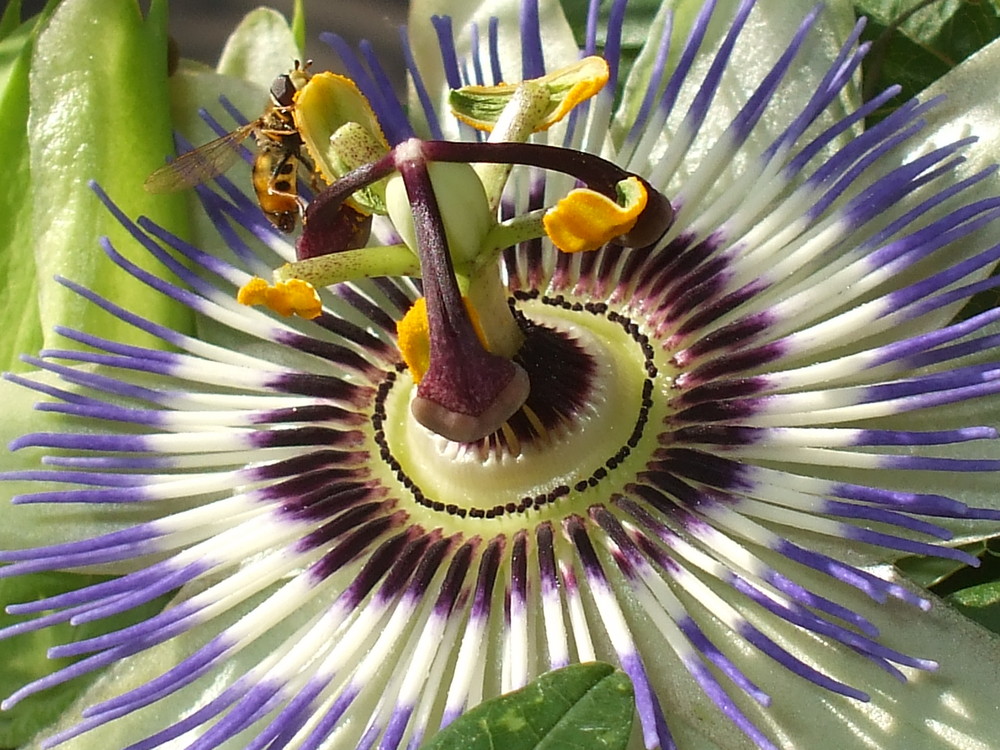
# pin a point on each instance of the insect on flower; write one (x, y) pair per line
(274, 167)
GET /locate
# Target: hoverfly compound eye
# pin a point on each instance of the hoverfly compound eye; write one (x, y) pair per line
(283, 91)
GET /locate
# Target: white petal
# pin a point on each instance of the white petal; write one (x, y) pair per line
(976, 489)
(971, 108)
(954, 708)
(762, 41)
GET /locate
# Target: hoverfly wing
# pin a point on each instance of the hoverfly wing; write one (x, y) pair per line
(198, 166)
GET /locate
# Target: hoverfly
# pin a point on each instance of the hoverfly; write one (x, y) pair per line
(274, 168)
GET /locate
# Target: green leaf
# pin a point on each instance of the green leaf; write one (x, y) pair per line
(930, 571)
(99, 110)
(583, 706)
(24, 656)
(915, 42)
(980, 603)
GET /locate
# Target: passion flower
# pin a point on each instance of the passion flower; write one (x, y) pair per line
(602, 386)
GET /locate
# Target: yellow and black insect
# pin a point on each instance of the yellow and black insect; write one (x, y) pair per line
(275, 168)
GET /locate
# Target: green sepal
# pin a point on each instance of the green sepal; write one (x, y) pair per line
(299, 26)
(11, 18)
(10, 21)
(261, 47)
(583, 706)
(99, 110)
(20, 318)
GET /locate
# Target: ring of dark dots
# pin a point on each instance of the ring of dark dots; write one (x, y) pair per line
(538, 501)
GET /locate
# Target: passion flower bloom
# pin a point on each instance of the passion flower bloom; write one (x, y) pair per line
(659, 383)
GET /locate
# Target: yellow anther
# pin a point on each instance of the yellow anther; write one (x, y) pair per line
(254, 292)
(586, 220)
(585, 79)
(413, 336)
(481, 106)
(292, 297)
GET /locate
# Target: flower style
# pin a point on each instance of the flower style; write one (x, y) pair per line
(639, 382)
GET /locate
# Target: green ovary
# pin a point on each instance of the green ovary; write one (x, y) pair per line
(490, 474)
